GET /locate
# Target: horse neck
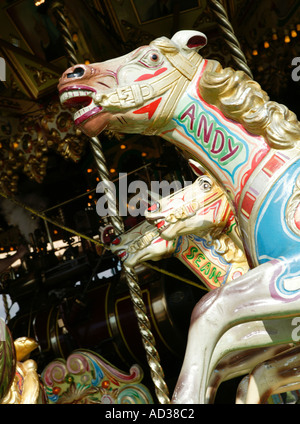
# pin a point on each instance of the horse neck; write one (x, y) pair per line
(214, 262)
(222, 145)
(231, 229)
(207, 256)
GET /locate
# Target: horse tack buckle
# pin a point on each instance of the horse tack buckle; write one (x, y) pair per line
(126, 97)
(133, 95)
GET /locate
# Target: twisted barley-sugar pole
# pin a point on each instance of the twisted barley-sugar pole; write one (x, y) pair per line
(230, 38)
(148, 339)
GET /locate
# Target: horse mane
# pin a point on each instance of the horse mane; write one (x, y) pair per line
(164, 45)
(224, 246)
(243, 100)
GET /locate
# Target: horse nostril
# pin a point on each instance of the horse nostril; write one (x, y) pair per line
(78, 72)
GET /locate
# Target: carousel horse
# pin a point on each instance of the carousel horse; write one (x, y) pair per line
(197, 230)
(250, 144)
(190, 206)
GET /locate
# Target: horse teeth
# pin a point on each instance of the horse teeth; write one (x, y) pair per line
(75, 93)
(83, 110)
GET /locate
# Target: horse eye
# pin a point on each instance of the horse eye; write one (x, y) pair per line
(206, 185)
(154, 57)
(151, 58)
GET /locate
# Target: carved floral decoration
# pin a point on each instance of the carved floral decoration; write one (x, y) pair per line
(86, 378)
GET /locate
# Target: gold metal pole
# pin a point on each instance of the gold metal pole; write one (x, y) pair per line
(148, 339)
(229, 35)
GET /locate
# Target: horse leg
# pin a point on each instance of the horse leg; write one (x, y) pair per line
(240, 363)
(244, 346)
(271, 376)
(248, 298)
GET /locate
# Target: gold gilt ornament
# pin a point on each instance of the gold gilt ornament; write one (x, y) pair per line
(25, 388)
(27, 150)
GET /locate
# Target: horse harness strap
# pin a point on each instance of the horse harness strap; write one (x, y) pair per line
(175, 82)
(135, 95)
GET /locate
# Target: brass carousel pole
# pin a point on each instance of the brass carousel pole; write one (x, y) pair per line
(148, 339)
(230, 38)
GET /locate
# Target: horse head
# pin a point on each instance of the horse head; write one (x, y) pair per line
(196, 209)
(141, 243)
(130, 93)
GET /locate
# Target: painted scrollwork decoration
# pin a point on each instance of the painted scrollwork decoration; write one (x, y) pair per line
(292, 212)
(86, 378)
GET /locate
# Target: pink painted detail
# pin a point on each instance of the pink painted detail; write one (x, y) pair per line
(148, 76)
(273, 165)
(197, 41)
(153, 207)
(237, 274)
(256, 160)
(116, 241)
(87, 115)
(196, 169)
(214, 207)
(150, 108)
(297, 217)
(248, 204)
(158, 240)
(77, 87)
(160, 224)
(220, 279)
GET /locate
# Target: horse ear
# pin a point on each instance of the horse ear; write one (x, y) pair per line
(188, 40)
(198, 169)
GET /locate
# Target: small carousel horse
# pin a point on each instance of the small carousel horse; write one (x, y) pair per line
(202, 209)
(195, 225)
(249, 143)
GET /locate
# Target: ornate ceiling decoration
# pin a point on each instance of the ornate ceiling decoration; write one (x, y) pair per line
(26, 151)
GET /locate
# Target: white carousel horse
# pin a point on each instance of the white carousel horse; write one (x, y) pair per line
(191, 206)
(202, 209)
(249, 143)
(197, 229)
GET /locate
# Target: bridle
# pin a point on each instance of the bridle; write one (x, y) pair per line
(172, 83)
